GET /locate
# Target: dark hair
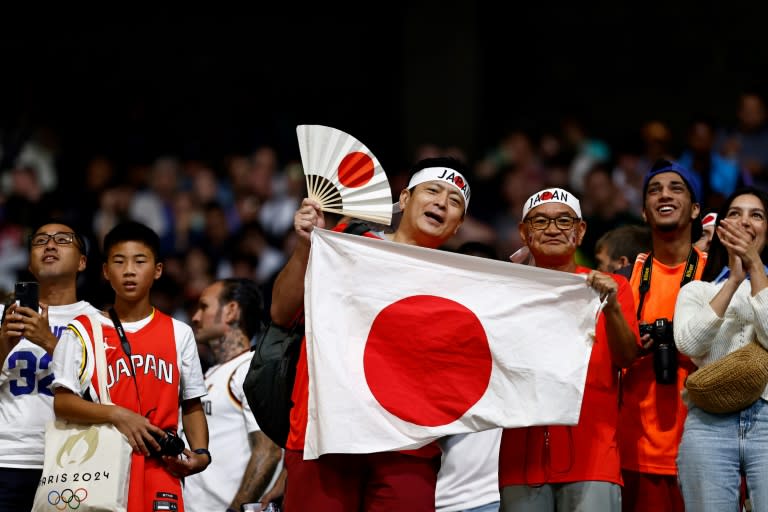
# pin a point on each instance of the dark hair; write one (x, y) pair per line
(629, 240)
(248, 296)
(131, 231)
(440, 161)
(82, 241)
(717, 257)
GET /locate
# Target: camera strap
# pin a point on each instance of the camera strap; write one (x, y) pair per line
(645, 276)
(126, 349)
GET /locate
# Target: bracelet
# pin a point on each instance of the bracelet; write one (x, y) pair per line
(203, 451)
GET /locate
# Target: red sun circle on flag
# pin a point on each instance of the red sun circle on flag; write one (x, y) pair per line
(355, 169)
(546, 196)
(427, 360)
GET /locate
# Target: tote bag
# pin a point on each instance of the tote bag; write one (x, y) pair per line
(86, 467)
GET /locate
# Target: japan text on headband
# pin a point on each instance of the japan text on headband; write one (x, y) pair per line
(552, 195)
(444, 174)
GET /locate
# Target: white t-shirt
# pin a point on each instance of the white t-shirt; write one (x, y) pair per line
(469, 474)
(230, 420)
(26, 398)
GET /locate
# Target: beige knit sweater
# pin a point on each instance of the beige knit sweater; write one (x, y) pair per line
(705, 337)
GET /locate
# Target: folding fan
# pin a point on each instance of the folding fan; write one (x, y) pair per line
(343, 175)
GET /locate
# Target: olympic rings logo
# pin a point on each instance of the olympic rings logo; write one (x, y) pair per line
(67, 498)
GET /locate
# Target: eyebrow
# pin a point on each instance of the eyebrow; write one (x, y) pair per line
(121, 255)
(672, 181)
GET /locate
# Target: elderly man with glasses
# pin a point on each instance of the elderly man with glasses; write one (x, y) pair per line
(27, 339)
(569, 468)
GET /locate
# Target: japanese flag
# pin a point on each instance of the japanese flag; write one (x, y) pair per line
(406, 344)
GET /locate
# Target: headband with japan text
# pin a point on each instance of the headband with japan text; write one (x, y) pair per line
(552, 195)
(444, 174)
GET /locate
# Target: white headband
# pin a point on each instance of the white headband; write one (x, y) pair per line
(552, 195)
(709, 220)
(444, 174)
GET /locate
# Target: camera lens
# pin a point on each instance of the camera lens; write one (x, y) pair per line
(170, 444)
(665, 363)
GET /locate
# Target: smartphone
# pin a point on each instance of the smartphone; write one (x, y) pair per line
(27, 294)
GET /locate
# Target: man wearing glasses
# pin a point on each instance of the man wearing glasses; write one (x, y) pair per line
(569, 468)
(27, 339)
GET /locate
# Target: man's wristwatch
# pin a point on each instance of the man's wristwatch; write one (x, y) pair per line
(203, 451)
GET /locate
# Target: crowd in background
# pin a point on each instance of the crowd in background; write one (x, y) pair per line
(233, 216)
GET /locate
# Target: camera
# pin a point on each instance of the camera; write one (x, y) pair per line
(664, 350)
(170, 444)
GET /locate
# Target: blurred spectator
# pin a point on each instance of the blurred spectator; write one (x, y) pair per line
(24, 197)
(656, 137)
(603, 207)
(748, 141)
(719, 175)
(517, 149)
(251, 241)
(276, 213)
(199, 273)
(13, 251)
(707, 231)
(586, 149)
(99, 176)
(153, 205)
(216, 234)
(38, 154)
(628, 172)
(515, 190)
(188, 221)
(557, 170)
(114, 207)
(618, 248)
(207, 187)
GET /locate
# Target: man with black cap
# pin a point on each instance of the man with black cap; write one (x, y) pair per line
(652, 413)
(433, 207)
(27, 339)
(572, 468)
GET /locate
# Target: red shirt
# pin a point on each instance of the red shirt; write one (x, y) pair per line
(158, 382)
(588, 450)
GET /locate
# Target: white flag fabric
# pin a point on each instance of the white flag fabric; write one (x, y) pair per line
(406, 344)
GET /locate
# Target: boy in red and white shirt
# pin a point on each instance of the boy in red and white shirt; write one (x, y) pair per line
(161, 374)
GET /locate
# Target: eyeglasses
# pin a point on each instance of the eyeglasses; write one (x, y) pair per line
(61, 238)
(563, 223)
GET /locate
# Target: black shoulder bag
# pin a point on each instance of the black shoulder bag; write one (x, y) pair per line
(268, 385)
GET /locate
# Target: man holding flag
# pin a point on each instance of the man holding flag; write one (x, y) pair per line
(433, 208)
(565, 468)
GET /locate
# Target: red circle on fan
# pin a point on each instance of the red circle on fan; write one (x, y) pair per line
(427, 359)
(355, 169)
